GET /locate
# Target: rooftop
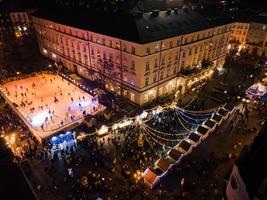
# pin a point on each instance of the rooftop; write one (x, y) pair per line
(136, 27)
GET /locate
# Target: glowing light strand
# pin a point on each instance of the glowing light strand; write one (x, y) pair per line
(191, 123)
(164, 145)
(198, 120)
(169, 140)
(185, 128)
(163, 133)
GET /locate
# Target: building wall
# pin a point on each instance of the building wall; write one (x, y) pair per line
(257, 39)
(239, 31)
(6, 28)
(141, 73)
(19, 17)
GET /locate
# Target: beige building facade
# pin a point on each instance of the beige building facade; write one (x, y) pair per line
(239, 32)
(141, 72)
(257, 39)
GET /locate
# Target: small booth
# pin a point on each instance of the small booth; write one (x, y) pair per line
(203, 131)
(151, 177)
(223, 113)
(230, 107)
(175, 155)
(63, 141)
(194, 139)
(217, 118)
(257, 91)
(184, 147)
(164, 164)
(211, 125)
(104, 130)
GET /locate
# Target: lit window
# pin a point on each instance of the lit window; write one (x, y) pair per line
(146, 81)
(133, 50)
(147, 66)
(132, 65)
(132, 81)
(155, 78)
(132, 96)
(146, 97)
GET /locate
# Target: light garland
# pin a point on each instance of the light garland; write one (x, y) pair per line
(164, 145)
(191, 101)
(169, 140)
(204, 111)
(200, 120)
(188, 122)
(163, 133)
(185, 128)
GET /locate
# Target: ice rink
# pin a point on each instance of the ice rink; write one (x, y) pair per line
(49, 102)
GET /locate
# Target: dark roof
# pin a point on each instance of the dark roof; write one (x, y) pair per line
(216, 117)
(209, 123)
(229, 107)
(17, 5)
(174, 154)
(194, 137)
(202, 130)
(163, 164)
(222, 112)
(144, 28)
(185, 145)
(252, 163)
(251, 16)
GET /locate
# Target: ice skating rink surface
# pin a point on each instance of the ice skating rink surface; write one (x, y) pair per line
(48, 102)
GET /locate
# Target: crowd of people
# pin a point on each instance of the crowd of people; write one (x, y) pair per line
(94, 167)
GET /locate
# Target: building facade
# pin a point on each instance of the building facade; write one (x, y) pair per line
(6, 28)
(257, 39)
(139, 71)
(239, 32)
(21, 22)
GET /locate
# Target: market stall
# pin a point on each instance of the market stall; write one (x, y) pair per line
(184, 147)
(151, 177)
(175, 155)
(257, 91)
(203, 131)
(223, 113)
(164, 164)
(211, 125)
(217, 118)
(194, 139)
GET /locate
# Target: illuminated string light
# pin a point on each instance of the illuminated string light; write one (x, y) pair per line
(163, 145)
(169, 140)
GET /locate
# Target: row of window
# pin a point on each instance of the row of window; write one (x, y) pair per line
(19, 17)
(161, 76)
(149, 50)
